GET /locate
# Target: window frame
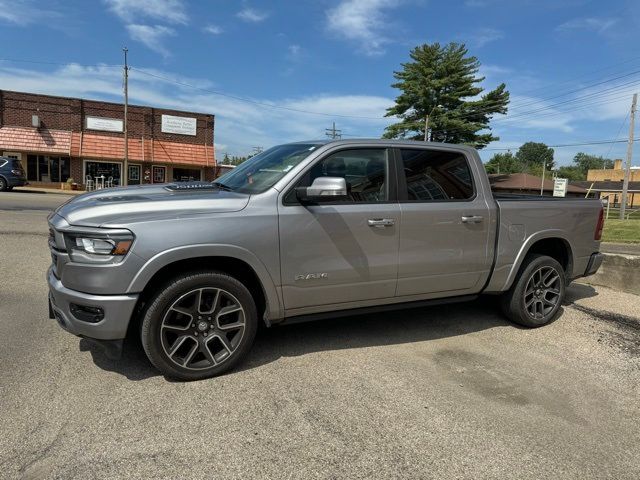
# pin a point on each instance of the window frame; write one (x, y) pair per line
(392, 170)
(403, 190)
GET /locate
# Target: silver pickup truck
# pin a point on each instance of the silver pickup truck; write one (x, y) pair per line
(306, 230)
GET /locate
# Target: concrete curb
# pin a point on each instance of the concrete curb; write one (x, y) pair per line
(619, 272)
(53, 191)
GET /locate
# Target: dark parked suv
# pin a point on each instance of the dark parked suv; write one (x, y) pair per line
(11, 174)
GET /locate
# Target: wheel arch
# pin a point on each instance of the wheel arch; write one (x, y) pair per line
(552, 244)
(234, 261)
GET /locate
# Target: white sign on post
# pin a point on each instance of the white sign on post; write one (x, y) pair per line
(105, 124)
(560, 187)
(179, 125)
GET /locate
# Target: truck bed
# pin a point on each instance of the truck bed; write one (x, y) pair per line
(525, 219)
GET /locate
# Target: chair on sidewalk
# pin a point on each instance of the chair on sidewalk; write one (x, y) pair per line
(108, 183)
(89, 183)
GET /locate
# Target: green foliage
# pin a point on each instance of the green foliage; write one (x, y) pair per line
(503, 163)
(233, 160)
(586, 162)
(438, 82)
(532, 154)
(571, 172)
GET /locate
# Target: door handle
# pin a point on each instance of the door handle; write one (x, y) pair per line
(472, 219)
(381, 222)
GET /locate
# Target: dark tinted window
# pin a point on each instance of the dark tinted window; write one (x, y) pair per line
(434, 175)
(365, 171)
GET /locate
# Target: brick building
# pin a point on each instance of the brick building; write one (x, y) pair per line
(57, 138)
(607, 183)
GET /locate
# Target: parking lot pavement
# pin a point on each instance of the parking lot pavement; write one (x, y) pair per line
(443, 392)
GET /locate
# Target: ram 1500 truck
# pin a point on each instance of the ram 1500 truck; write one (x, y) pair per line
(305, 230)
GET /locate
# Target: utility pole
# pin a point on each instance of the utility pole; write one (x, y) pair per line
(257, 150)
(544, 168)
(125, 169)
(627, 170)
(333, 133)
(426, 128)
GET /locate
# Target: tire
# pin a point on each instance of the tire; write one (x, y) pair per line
(537, 293)
(3, 185)
(186, 336)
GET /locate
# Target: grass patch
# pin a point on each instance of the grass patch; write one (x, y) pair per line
(621, 231)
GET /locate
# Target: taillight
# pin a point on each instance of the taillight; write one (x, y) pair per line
(599, 225)
(16, 172)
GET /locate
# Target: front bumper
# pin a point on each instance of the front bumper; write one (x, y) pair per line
(594, 264)
(118, 310)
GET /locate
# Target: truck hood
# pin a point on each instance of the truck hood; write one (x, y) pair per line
(120, 206)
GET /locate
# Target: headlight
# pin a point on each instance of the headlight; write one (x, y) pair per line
(98, 247)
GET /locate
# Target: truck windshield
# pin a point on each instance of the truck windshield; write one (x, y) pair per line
(261, 172)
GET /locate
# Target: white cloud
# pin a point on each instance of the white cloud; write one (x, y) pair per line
(213, 29)
(362, 22)
(152, 36)
(239, 125)
(481, 37)
(593, 24)
(130, 11)
(252, 15)
(24, 12)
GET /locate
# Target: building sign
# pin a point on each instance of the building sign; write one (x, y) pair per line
(105, 124)
(560, 187)
(179, 125)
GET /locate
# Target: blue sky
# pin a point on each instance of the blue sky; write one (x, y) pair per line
(570, 65)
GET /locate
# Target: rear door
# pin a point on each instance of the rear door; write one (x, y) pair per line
(445, 224)
(342, 252)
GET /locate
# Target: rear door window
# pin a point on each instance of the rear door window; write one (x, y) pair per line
(436, 175)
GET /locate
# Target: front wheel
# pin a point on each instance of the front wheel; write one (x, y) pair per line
(200, 325)
(537, 293)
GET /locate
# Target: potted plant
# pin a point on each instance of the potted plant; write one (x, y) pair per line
(72, 184)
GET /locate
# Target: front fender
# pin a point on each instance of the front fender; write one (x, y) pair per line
(186, 252)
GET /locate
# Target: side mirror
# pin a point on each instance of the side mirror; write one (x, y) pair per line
(323, 189)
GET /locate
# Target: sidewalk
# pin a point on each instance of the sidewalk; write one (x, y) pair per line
(620, 248)
(57, 191)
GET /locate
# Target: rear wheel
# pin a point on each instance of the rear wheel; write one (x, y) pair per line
(535, 297)
(200, 325)
(3, 185)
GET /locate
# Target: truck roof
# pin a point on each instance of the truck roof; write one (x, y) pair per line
(388, 142)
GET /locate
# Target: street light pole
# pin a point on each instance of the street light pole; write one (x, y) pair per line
(125, 169)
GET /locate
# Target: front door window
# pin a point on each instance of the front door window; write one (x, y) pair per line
(134, 174)
(159, 174)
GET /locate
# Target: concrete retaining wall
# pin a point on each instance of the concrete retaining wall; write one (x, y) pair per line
(620, 272)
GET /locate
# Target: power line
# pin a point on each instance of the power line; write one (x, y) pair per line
(595, 142)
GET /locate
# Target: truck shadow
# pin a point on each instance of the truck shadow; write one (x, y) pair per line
(357, 331)
(372, 330)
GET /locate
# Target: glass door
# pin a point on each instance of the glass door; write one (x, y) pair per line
(134, 175)
(159, 174)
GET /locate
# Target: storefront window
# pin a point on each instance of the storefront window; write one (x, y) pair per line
(43, 168)
(134, 175)
(97, 170)
(186, 174)
(159, 174)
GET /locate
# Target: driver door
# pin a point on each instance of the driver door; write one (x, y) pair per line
(346, 252)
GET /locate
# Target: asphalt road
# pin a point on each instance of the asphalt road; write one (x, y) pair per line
(443, 392)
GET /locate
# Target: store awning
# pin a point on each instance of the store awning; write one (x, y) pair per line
(37, 140)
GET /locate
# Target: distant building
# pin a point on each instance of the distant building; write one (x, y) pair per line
(606, 183)
(523, 183)
(57, 138)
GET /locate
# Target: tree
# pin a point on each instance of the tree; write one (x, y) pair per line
(586, 162)
(441, 83)
(571, 172)
(534, 155)
(503, 163)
